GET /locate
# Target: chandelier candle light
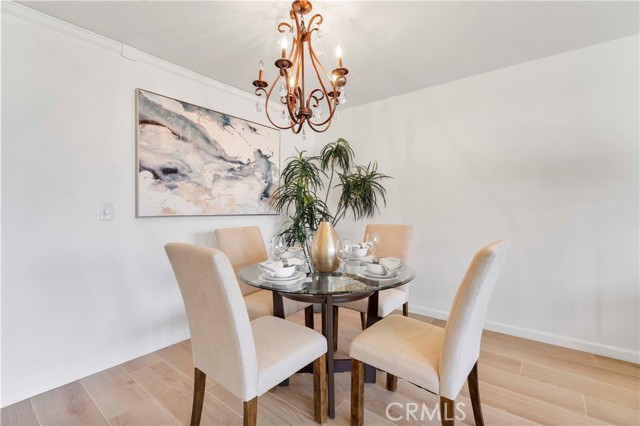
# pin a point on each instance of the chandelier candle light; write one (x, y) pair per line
(303, 108)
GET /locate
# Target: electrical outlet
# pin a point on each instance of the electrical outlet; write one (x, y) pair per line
(106, 211)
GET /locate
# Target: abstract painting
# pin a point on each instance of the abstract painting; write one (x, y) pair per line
(193, 161)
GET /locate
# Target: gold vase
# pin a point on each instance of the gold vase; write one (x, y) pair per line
(324, 248)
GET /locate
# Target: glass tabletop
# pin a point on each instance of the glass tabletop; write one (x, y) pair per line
(331, 283)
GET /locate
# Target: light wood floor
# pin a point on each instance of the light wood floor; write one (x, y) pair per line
(521, 383)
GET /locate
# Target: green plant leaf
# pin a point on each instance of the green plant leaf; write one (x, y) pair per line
(361, 192)
(338, 152)
(361, 189)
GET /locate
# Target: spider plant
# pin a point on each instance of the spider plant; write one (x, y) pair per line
(337, 153)
(303, 179)
(361, 188)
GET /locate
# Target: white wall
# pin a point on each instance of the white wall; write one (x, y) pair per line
(545, 154)
(80, 295)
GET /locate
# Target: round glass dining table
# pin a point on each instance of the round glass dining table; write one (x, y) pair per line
(327, 289)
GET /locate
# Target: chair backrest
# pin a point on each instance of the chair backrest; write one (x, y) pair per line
(243, 246)
(221, 337)
(463, 332)
(394, 239)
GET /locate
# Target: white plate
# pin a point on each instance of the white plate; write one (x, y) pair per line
(299, 283)
(270, 272)
(289, 285)
(368, 274)
(296, 276)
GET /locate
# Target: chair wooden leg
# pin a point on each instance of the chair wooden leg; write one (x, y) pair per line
(250, 412)
(474, 394)
(320, 389)
(405, 309)
(199, 382)
(357, 393)
(392, 382)
(363, 320)
(446, 412)
(335, 328)
(308, 317)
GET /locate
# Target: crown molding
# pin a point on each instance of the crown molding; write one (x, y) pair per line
(56, 24)
(127, 52)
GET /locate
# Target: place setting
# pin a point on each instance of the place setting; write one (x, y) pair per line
(357, 260)
(380, 267)
(282, 269)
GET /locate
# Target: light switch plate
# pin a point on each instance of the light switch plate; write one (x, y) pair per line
(106, 211)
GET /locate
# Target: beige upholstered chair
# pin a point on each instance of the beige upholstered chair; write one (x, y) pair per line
(246, 357)
(244, 246)
(394, 242)
(436, 359)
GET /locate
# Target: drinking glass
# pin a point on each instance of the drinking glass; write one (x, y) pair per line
(278, 246)
(306, 247)
(373, 239)
(345, 249)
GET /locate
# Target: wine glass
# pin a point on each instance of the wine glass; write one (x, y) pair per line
(373, 239)
(344, 249)
(278, 246)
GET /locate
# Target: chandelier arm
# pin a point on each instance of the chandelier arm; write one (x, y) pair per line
(313, 18)
(331, 113)
(299, 62)
(315, 62)
(293, 58)
(302, 76)
(266, 103)
(294, 40)
(297, 69)
(287, 97)
(315, 128)
(313, 97)
(315, 59)
(284, 24)
(317, 99)
(266, 109)
(324, 89)
(294, 17)
(331, 106)
(327, 121)
(294, 50)
(299, 98)
(296, 131)
(291, 101)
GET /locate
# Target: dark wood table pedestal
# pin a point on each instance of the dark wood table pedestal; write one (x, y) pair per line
(333, 365)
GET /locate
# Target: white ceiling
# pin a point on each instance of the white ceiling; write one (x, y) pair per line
(390, 48)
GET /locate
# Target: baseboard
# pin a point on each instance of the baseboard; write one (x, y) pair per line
(86, 369)
(544, 337)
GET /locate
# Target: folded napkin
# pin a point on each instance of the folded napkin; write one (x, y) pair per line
(275, 265)
(391, 263)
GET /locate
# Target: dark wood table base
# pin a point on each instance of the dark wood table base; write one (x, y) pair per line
(327, 303)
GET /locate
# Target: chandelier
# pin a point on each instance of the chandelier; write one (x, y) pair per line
(300, 105)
